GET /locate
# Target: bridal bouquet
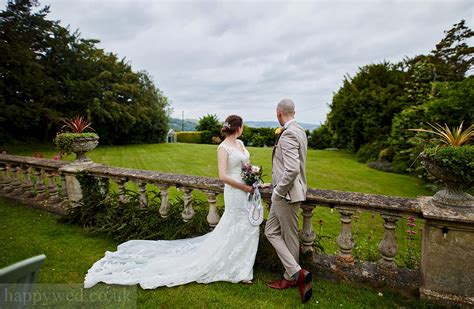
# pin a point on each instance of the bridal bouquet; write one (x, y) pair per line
(251, 174)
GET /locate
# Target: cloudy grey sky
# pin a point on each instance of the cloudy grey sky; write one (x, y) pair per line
(242, 57)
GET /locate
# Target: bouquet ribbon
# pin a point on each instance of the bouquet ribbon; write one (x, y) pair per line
(254, 206)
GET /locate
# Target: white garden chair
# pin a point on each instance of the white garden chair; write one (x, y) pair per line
(16, 282)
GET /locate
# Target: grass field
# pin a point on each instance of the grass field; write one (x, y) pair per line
(335, 170)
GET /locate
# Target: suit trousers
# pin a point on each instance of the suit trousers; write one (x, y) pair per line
(282, 231)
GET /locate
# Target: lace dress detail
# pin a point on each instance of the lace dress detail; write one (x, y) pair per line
(225, 254)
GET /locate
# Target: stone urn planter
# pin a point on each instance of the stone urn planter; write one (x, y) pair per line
(79, 143)
(453, 193)
(82, 145)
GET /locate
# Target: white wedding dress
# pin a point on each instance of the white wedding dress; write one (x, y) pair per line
(225, 254)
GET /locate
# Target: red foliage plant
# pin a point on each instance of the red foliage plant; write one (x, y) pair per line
(77, 125)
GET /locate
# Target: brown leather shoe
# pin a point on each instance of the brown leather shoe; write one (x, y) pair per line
(305, 285)
(282, 284)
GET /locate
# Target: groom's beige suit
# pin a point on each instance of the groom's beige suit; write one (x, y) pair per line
(289, 190)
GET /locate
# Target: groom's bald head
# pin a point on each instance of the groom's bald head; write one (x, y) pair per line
(286, 107)
(285, 111)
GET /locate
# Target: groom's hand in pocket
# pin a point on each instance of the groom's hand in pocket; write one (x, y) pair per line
(276, 197)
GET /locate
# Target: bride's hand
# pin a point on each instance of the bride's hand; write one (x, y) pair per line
(248, 189)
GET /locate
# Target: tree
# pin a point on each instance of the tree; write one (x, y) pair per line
(453, 57)
(210, 127)
(372, 110)
(209, 123)
(450, 103)
(437, 91)
(25, 86)
(49, 73)
(363, 108)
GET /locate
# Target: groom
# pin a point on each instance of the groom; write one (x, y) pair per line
(289, 190)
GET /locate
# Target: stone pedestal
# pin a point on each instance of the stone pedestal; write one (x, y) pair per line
(73, 188)
(447, 265)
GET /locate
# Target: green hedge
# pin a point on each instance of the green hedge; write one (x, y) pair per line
(320, 138)
(192, 137)
(259, 137)
(206, 137)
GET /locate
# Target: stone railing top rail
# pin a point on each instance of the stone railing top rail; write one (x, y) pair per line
(31, 161)
(328, 198)
(364, 201)
(170, 179)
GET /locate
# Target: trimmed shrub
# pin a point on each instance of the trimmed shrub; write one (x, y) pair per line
(258, 140)
(320, 138)
(386, 154)
(206, 137)
(368, 152)
(210, 137)
(194, 137)
(258, 137)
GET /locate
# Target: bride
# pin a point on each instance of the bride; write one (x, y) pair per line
(225, 254)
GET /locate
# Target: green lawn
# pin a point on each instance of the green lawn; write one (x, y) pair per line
(335, 170)
(71, 250)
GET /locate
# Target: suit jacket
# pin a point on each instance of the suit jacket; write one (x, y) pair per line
(289, 164)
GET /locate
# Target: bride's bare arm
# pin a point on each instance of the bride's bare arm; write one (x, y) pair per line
(222, 169)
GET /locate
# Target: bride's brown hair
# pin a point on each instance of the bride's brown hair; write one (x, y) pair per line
(231, 125)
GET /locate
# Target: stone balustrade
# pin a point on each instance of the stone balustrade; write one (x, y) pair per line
(52, 185)
(34, 182)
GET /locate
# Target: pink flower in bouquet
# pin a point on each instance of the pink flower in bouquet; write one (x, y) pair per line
(251, 174)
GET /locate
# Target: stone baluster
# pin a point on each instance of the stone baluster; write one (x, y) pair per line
(52, 186)
(9, 179)
(213, 216)
(5, 178)
(27, 183)
(165, 206)
(188, 212)
(63, 191)
(345, 241)
(40, 187)
(103, 185)
(307, 234)
(388, 246)
(16, 183)
(121, 189)
(143, 196)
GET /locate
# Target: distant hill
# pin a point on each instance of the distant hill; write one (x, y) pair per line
(189, 124)
(274, 124)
